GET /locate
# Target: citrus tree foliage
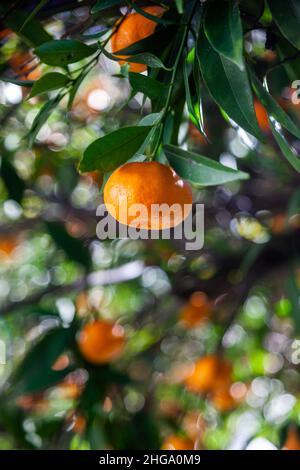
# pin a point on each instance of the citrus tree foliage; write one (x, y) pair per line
(218, 102)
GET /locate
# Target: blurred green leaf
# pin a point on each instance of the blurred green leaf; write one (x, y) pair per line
(287, 17)
(200, 170)
(32, 31)
(48, 82)
(35, 372)
(229, 86)
(103, 4)
(73, 247)
(114, 149)
(26, 83)
(64, 51)
(223, 29)
(42, 117)
(294, 297)
(14, 184)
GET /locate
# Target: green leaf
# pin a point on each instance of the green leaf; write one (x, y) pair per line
(64, 51)
(151, 119)
(73, 247)
(26, 83)
(42, 117)
(194, 111)
(200, 170)
(35, 372)
(147, 15)
(228, 85)
(179, 6)
(223, 29)
(273, 107)
(149, 86)
(35, 11)
(14, 184)
(146, 58)
(114, 149)
(50, 81)
(288, 151)
(286, 15)
(103, 4)
(294, 296)
(32, 32)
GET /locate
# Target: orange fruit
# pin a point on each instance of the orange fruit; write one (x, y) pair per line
(223, 400)
(134, 192)
(8, 245)
(134, 28)
(196, 311)
(293, 439)
(23, 65)
(209, 373)
(174, 442)
(195, 135)
(79, 424)
(261, 116)
(101, 341)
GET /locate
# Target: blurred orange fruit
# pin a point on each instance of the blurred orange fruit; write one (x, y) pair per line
(223, 400)
(262, 116)
(147, 184)
(7, 245)
(101, 341)
(134, 28)
(195, 135)
(23, 65)
(196, 311)
(293, 439)
(209, 373)
(175, 442)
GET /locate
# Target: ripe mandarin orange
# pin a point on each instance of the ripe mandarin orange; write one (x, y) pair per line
(101, 341)
(262, 116)
(209, 374)
(196, 311)
(134, 28)
(147, 184)
(174, 442)
(293, 439)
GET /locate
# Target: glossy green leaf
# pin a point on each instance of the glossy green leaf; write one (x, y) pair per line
(223, 29)
(229, 86)
(64, 51)
(73, 247)
(286, 15)
(194, 110)
(146, 58)
(273, 107)
(288, 151)
(200, 170)
(147, 85)
(31, 31)
(48, 82)
(114, 149)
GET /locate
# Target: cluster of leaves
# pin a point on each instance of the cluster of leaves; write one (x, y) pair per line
(198, 48)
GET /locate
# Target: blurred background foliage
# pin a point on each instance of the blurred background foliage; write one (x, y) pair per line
(236, 301)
